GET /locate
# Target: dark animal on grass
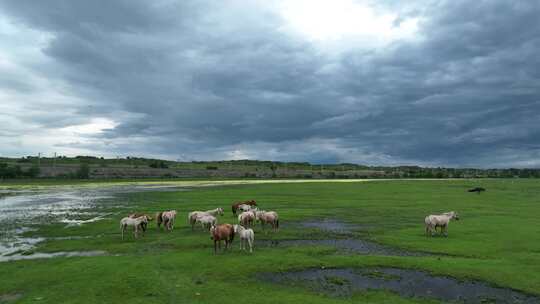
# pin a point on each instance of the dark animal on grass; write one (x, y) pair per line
(477, 190)
(144, 225)
(235, 206)
(223, 232)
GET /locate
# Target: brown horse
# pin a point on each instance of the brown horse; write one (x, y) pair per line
(237, 204)
(159, 219)
(223, 232)
(144, 225)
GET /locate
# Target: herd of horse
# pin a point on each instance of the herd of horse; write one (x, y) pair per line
(248, 215)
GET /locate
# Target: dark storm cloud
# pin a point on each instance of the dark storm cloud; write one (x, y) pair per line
(223, 79)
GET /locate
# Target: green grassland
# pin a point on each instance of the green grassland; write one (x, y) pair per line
(497, 240)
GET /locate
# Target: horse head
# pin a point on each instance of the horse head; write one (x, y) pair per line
(212, 229)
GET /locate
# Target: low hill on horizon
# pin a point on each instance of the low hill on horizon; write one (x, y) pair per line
(138, 167)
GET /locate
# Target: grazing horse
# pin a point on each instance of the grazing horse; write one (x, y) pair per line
(144, 225)
(192, 216)
(246, 236)
(442, 220)
(207, 221)
(168, 218)
(235, 206)
(246, 218)
(268, 217)
(135, 222)
(477, 190)
(223, 232)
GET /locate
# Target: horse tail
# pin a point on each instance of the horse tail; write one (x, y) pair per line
(277, 224)
(231, 235)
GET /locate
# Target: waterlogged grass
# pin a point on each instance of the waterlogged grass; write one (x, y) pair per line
(496, 240)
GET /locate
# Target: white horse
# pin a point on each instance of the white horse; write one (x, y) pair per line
(268, 217)
(136, 223)
(207, 221)
(246, 236)
(442, 221)
(192, 216)
(245, 207)
(246, 218)
(168, 219)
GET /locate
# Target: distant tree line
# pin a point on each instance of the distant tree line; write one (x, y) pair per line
(15, 171)
(420, 172)
(29, 166)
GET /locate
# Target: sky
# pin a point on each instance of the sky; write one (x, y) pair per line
(416, 82)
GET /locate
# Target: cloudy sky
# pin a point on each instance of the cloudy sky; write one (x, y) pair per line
(437, 83)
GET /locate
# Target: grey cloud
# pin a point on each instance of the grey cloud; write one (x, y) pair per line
(208, 78)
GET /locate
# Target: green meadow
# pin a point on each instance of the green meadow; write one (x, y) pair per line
(496, 240)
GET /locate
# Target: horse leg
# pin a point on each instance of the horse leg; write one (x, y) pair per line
(445, 230)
